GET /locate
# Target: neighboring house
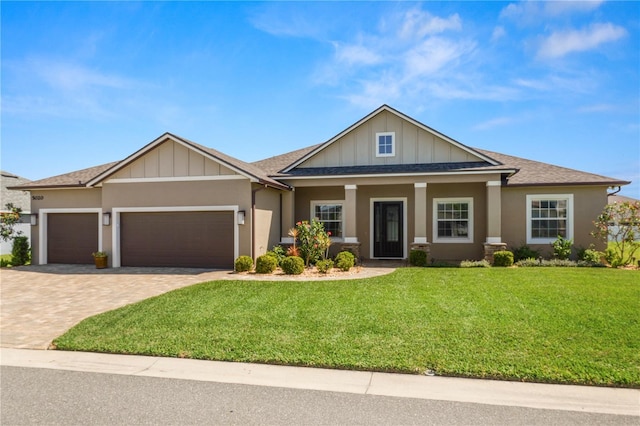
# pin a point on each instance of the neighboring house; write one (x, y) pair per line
(19, 198)
(384, 186)
(615, 227)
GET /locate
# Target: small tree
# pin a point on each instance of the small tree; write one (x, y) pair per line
(619, 223)
(8, 220)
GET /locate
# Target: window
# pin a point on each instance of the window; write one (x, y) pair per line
(549, 216)
(453, 220)
(329, 213)
(385, 144)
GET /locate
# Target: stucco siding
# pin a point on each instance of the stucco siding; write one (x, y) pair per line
(588, 203)
(267, 220)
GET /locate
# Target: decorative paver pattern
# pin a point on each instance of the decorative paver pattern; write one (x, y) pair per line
(40, 302)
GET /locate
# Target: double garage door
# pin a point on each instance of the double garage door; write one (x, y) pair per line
(177, 239)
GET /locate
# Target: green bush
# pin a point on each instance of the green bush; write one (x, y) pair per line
(525, 263)
(20, 254)
(324, 266)
(279, 252)
(502, 258)
(475, 264)
(525, 252)
(589, 255)
(266, 264)
(292, 265)
(547, 263)
(418, 258)
(4, 263)
(561, 248)
(243, 264)
(345, 260)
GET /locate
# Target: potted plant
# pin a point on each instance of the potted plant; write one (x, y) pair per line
(101, 259)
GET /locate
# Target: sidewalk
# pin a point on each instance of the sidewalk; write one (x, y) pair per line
(533, 395)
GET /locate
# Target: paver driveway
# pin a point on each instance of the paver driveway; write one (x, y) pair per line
(39, 303)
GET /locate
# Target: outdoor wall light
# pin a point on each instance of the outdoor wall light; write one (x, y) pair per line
(34, 219)
(241, 217)
(106, 219)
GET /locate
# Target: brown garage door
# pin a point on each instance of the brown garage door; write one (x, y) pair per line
(180, 239)
(71, 237)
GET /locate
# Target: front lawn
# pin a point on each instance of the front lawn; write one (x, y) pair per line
(564, 325)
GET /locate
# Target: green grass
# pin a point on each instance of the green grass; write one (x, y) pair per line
(560, 325)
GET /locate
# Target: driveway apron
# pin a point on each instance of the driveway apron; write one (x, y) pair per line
(39, 303)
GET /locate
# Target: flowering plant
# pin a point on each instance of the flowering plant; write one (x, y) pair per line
(314, 241)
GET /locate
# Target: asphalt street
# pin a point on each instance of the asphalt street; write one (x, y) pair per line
(45, 396)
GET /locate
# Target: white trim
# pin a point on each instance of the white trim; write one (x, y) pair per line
(115, 223)
(372, 225)
(393, 144)
(494, 183)
(402, 116)
(43, 227)
(420, 185)
(420, 240)
(340, 203)
(350, 240)
(286, 240)
(493, 240)
(570, 216)
(347, 187)
(388, 175)
(454, 240)
(178, 179)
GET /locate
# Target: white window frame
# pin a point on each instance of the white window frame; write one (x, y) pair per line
(456, 240)
(393, 144)
(340, 203)
(549, 197)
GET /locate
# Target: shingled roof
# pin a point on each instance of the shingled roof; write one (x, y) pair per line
(535, 173)
(75, 179)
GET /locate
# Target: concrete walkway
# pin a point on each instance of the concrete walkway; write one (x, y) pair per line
(533, 395)
(41, 302)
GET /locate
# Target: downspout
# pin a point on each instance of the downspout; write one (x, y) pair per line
(253, 221)
(609, 194)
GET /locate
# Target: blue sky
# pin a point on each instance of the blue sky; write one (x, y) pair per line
(85, 83)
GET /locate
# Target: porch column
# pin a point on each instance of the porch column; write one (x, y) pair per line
(420, 207)
(350, 233)
(420, 218)
(287, 216)
(494, 220)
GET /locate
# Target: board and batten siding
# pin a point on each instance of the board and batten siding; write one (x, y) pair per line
(413, 145)
(171, 159)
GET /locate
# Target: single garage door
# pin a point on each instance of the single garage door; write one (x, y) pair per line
(179, 239)
(71, 237)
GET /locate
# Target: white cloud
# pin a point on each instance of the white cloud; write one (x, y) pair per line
(498, 33)
(496, 122)
(596, 108)
(559, 44)
(527, 12)
(434, 54)
(68, 76)
(417, 24)
(356, 54)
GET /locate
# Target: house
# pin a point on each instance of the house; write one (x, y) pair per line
(18, 199)
(384, 186)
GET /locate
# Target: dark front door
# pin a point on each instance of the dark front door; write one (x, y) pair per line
(388, 240)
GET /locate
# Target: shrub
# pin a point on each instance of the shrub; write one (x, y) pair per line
(292, 265)
(243, 264)
(502, 258)
(619, 225)
(418, 258)
(561, 248)
(475, 264)
(526, 263)
(345, 260)
(279, 253)
(548, 263)
(324, 266)
(4, 263)
(525, 252)
(589, 255)
(314, 240)
(20, 252)
(266, 264)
